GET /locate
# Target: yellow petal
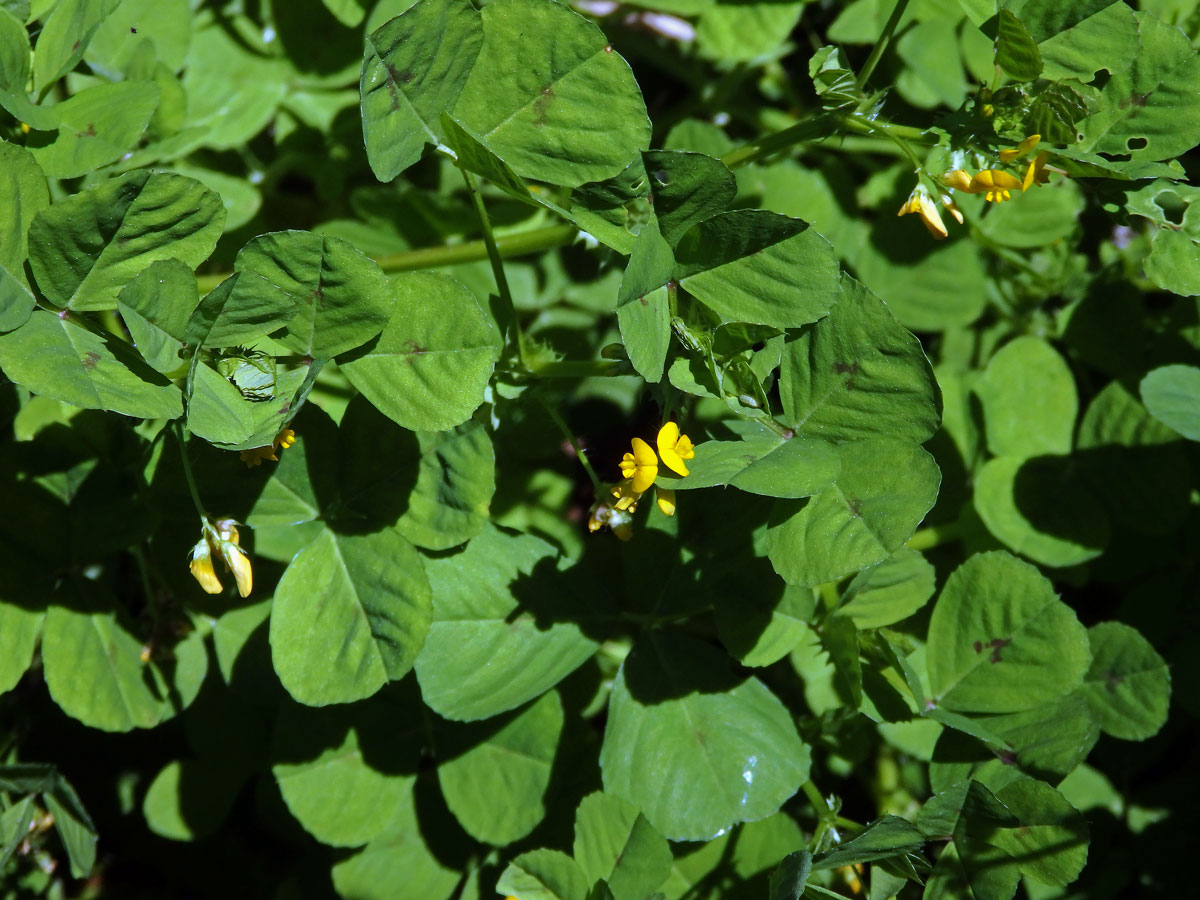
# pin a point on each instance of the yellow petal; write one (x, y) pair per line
(643, 454)
(666, 501)
(202, 568)
(959, 179)
(239, 563)
(644, 477)
(952, 209)
(992, 180)
(685, 448)
(628, 465)
(669, 442)
(932, 218)
(1021, 149)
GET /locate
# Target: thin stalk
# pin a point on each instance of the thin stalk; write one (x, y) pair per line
(187, 469)
(935, 536)
(597, 484)
(803, 131)
(881, 45)
(582, 368)
(512, 326)
(522, 243)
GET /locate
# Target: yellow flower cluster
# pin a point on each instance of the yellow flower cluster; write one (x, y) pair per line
(639, 468)
(219, 538)
(995, 184)
(256, 455)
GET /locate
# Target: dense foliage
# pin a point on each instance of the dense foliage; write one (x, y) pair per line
(519, 450)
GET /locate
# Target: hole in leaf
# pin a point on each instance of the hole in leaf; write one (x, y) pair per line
(1172, 206)
(1137, 143)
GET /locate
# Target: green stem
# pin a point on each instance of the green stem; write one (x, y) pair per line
(825, 815)
(512, 325)
(522, 243)
(581, 369)
(187, 469)
(935, 536)
(860, 124)
(597, 484)
(804, 130)
(881, 45)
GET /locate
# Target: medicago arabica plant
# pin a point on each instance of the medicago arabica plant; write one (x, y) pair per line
(683, 450)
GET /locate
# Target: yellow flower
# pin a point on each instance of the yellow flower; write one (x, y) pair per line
(995, 184)
(674, 448)
(1021, 149)
(952, 208)
(919, 202)
(959, 179)
(627, 497)
(255, 456)
(220, 539)
(1036, 174)
(202, 567)
(641, 466)
(666, 501)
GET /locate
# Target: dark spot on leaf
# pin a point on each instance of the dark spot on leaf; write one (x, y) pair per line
(285, 409)
(75, 46)
(1136, 99)
(608, 48)
(996, 644)
(317, 294)
(1007, 757)
(132, 30)
(90, 360)
(661, 176)
(393, 77)
(541, 104)
(841, 368)
(643, 301)
(89, 132)
(412, 348)
(1112, 679)
(852, 503)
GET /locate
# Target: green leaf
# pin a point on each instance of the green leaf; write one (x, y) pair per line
(456, 479)
(414, 68)
(1000, 640)
(1045, 215)
(1040, 509)
(1172, 263)
(884, 838)
(932, 74)
(216, 409)
(84, 249)
(696, 748)
(1150, 108)
(487, 650)
(20, 628)
(761, 620)
(1016, 52)
(164, 25)
(234, 313)
(23, 194)
(232, 91)
(14, 828)
(1135, 465)
(889, 591)
(750, 265)
(343, 771)
(1128, 687)
(615, 843)
(370, 622)
(16, 302)
(396, 863)
(494, 778)
(550, 96)
(787, 881)
(643, 307)
(543, 875)
(1029, 400)
(741, 32)
(155, 306)
(52, 356)
(98, 126)
(473, 156)
(189, 799)
(1051, 843)
(341, 298)
(969, 869)
(74, 826)
(1078, 38)
(94, 671)
(429, 368)
(14, 75)
(686, 188)
(879, 497)
(1172, 395)
(858, 373)
(763, 463)
(65, 37)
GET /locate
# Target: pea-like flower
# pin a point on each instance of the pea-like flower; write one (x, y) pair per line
(958, 179)
(674, 448)
(641, 466)
(995, 184)
(919, 202)
(219, 539)
(255, 456)
(1021, 149)
(1036, 173)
